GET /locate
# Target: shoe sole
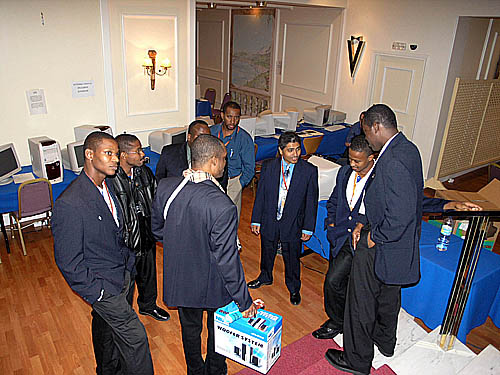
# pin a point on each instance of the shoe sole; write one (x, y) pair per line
(154, 317)
(257, 287)
(350, 371)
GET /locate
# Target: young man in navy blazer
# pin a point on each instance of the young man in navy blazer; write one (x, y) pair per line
(285, 211)
(343, 214)
(89, 250)
(386, 244)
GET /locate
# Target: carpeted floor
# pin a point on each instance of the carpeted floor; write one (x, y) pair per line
(306, 356)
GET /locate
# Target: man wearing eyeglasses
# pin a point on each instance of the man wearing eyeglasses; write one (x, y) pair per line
(135, 187)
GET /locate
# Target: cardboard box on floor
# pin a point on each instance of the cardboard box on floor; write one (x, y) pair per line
(488, 198)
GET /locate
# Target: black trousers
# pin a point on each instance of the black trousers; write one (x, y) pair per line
(291, 258)
(371, 313)
(119, 338)
(145, 278)
(191, 326)
(335, 288)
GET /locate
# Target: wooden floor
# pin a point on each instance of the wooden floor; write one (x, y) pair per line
(45, 327)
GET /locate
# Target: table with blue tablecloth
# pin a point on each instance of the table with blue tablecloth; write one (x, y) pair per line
(332, 144)
(428, 299)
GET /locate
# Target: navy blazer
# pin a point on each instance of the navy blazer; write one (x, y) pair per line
(201, 263)
(339, 213)
(301, 203)
(88, 246)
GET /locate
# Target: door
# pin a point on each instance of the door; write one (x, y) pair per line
(307, 57)
(397, 82)
(212, 41)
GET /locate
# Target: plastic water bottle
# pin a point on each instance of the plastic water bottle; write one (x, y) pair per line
(444, 237)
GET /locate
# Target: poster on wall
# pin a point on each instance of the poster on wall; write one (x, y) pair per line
(251, 50)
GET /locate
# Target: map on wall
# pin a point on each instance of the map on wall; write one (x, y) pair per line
(252, 50)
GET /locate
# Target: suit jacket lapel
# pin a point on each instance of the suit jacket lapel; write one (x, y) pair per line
(275, 182)
(294, 182)
(100, 206)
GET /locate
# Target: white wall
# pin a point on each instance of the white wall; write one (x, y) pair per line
(428, 23)
(50, 57)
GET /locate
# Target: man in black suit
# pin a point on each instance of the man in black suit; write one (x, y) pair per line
(87, 225)
(386, 245)
(285, 211)
(197, 223)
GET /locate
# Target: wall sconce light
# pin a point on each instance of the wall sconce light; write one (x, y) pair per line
(212, 5)
(355, 47)
(150, 67)
(261, 4)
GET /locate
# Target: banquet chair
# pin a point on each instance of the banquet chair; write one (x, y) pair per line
(217, 113)
(311, 144)
(35, 198)
(210, 95)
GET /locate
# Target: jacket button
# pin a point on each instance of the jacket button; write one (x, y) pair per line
(349, 230)
(350, 217)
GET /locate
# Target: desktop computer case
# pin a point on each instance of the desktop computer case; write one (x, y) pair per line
(46, 159)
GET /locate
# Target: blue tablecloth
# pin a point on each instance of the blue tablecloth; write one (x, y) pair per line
(427, 300)
(332, 144)
(8, 193)
(154, 158)
(203, 108)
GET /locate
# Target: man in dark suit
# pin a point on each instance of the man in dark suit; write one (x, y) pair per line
(87, 225)
(343, 211)
(197, 223)
(285, 211)
(386, 245)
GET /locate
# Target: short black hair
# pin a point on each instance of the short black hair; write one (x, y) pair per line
(204, 148)
(380, 114)
(94, 139)
(194, 124)
(125, 141)
(360, 144)
(286, 138)
(231, 104)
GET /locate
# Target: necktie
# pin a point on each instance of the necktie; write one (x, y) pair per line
(282, 194)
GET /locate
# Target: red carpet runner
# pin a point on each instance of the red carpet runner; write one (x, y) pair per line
(307, 357)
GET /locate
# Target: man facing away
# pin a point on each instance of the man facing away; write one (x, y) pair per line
(240, 151)
(285, 211)
(386, 244)
(197, 223)
(87, 225)
(343, 210)
(135, 187)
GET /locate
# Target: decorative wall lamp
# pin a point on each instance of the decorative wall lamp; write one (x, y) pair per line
(150, 67)
(355, 47)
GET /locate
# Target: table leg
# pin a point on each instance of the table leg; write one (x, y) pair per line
(4, 231)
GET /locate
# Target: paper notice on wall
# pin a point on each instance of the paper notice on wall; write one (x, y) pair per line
(36, 102)
(83, 89)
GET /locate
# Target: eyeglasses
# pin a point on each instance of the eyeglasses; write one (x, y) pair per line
(138, 151)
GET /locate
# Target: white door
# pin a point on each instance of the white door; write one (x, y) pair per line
(307, 57)
(397, 82)
(212, 41)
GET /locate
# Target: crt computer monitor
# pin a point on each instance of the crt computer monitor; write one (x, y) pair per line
(9, 163)
(159, 139)
(74, 156)
(318, 116)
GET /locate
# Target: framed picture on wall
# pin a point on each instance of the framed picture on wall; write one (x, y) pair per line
(252, 50)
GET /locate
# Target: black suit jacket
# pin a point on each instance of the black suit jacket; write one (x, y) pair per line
(393, 204)
(301, 203)
(201, 263)
(88, 246)
(173, 161)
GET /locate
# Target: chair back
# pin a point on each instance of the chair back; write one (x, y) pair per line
(35, 197)
(311, 144)
(210, 95)
(227, 98)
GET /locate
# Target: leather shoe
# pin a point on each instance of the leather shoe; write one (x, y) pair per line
(324, 333)
(255, 284)
(157, 313)
(336, 359)
(295, 298)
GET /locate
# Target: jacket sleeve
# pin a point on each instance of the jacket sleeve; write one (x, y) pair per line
(433, 204)
(258, 204)
(401, 197)
(67, 229)
(223, 239)
(247, 161)
(157, 220)
(161, 167)
(311, 209)
(331, 204)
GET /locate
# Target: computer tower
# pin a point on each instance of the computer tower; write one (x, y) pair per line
(46, 158)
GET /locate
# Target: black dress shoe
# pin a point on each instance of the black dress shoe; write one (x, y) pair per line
(325, 332)
(255, 284)
(157, 313)
(385, 353)
(336, 359)
(295, 298)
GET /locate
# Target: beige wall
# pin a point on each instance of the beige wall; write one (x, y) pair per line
(68, 48)
(428, 23)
